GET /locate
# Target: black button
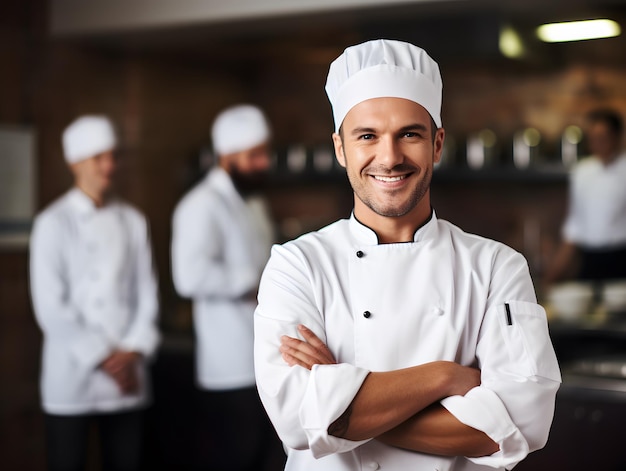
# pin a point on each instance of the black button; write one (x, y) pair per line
(367, 314)
(359, 254)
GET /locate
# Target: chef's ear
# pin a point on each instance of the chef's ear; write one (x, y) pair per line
(440, 135)
(338, 144)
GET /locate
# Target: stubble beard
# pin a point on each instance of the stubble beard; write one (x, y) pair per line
(391, 210)
(248, 184)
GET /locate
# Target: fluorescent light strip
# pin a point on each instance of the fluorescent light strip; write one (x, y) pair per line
(578, 30)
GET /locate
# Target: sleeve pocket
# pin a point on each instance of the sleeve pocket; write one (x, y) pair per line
(525, 332)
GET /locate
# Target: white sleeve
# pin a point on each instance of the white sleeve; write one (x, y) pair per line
(514, 405)
(57, 317)
(198, 267)
(302, 404)
(143, 335)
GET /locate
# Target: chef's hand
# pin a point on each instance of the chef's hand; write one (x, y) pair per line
(306, 353)
(121, 366)
(311, 351)
(460, 378)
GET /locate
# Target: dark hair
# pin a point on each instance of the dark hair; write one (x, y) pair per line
(609, 117)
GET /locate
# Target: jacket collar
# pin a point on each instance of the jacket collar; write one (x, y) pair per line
(367, 236)
(220, 180)
(81, 202)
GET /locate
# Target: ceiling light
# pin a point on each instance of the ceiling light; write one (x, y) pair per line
(510, 43)
(578, 30)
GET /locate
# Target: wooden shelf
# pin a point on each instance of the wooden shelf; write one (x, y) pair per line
(544, 174)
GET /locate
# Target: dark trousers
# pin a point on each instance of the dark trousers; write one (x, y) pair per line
(235, 434)
(603, 264)
(119, 440)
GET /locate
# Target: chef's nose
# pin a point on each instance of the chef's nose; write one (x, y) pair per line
(108, 161)
(263, 162)
(389, 152)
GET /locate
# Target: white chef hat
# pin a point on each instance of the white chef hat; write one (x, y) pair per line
(383, 68)
(239, 128)
(88, 136)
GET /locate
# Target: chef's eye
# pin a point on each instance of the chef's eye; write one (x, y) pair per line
(366, 137)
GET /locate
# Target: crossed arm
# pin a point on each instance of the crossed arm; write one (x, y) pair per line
(400, 408)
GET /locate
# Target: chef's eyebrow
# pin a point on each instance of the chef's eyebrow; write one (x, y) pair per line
(360, 131)
(414, 127)
(408, 128)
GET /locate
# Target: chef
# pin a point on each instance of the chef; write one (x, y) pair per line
(221, 240)
(594, 231)
(394, 340)
(95, 298)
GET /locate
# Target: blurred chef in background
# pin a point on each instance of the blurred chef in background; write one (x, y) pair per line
(594, 232)
(221, 239)
(94, 293)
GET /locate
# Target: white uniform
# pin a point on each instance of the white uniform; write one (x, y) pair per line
(94, 291)
(220, 244)
(597, 208)
(391, 306)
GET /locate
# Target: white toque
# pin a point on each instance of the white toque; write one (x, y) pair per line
(383, 68)
(239, 128)
(87, 137)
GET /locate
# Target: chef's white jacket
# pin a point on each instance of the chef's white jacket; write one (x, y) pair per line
(442, 297)
(597, 204)
(220, 244)
(94, 291)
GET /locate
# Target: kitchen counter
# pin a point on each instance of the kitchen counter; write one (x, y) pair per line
(592, 352)
(590, 336)
(587, 431)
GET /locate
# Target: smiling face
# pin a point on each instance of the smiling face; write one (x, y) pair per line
(388, 150)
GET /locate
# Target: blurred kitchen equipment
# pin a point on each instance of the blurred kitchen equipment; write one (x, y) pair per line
(611, 366)
(323, 159)
(570, 145)
(571, 301)
(614, 296)
(526, 147)
(481, 149)
(297, 158)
